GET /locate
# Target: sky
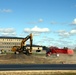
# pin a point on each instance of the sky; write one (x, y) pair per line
(52, 22)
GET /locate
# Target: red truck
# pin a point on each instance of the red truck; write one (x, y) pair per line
(56, 50)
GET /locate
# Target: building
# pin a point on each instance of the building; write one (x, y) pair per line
(6, 43)
(35, 48)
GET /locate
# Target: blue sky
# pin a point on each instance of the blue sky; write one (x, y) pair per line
(52, 22)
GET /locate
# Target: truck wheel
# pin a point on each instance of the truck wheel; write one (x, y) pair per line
(38, 50)
(27, 52)
(16, 52)
(24, 52)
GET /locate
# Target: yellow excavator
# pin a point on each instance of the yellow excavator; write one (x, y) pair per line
(22, 47)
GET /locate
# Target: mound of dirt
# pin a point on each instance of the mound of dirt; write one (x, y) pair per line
(37, 59)
(21, 59)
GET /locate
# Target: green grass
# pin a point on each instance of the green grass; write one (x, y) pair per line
(39, 73)
(64, 74)
(39, 54)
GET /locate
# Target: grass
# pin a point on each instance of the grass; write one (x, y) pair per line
(39, 54)
(37, 72)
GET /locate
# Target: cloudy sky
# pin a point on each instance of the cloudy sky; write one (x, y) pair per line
(52, 22)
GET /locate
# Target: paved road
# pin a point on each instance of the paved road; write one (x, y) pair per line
(38, 67)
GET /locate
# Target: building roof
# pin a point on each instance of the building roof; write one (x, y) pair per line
(34, 45)
(7, 37)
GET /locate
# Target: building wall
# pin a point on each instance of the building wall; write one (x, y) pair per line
(35, 48)
(8, 43)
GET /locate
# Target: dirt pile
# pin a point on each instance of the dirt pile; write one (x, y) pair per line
(37, 59)
(21, 59)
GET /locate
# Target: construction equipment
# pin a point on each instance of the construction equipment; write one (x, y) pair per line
(56, 50)
(22, 47)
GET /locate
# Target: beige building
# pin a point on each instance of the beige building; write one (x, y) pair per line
(35, 48)
(6, 43)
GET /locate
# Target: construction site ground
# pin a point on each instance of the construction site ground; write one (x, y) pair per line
(37, 58)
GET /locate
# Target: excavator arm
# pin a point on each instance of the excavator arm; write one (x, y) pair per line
(21, 47)
(24, 41)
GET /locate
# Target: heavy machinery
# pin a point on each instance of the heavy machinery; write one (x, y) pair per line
(56, 50)
(22, 47)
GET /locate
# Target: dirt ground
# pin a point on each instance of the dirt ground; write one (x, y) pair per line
(37, 59)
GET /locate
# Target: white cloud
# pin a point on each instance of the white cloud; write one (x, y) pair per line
(8, 34)
(35, 22)
(46, 38)
(73, 31)
(7, 31)
(36, 34)
(61, 23)
(36, 30)
(62, 41)
(66, 34)
(27, 30)
(74, 22)
(45, 41)
(6, 10)
(63, 33)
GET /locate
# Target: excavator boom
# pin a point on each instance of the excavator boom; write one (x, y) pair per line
(21, 47)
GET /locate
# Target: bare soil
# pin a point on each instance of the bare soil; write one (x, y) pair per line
(21, 59)
(37, 59)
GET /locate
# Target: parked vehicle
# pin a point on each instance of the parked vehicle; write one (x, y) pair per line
(56, 50)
